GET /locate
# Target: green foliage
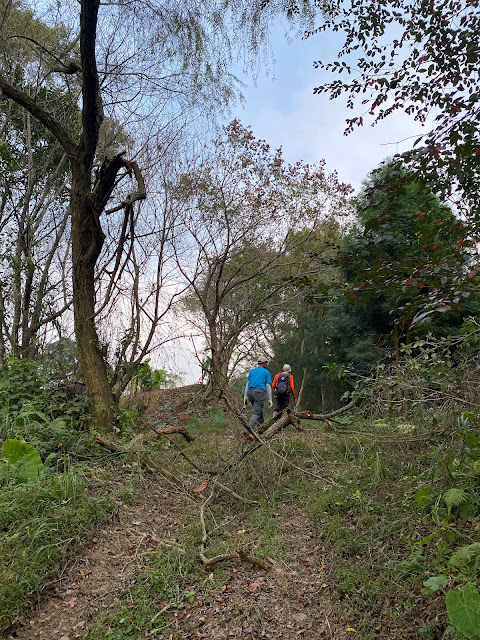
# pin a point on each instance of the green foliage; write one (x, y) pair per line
(20, 384)
(379, 469)
(218, 415)
(32, 411)
(436, 583)
(39, 523)
(22, 462)
(421, 58)
(404, 262)
(424, 496)
(147, 378)
(407, 256)
(463, 607)
(454, 497)
(466, 558)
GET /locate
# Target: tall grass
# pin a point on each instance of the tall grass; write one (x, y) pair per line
(39, 524)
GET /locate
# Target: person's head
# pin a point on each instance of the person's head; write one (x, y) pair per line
(287, 368)
(262, 362)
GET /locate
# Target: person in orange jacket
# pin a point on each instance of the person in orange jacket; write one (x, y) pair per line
(283, 386)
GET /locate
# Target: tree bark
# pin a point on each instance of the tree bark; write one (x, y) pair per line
(305, 377)
(308, 415)
(218, 372)
(87, 242)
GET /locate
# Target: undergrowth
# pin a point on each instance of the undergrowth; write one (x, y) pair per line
(397, 522)
(43, 520)
(393, 507)
(39, 524)
(400, 526)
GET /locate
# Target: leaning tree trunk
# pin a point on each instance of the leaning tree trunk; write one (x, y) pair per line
(305, 377)
(87, 242)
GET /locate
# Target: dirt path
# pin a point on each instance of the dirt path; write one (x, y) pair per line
(287, 603)
(95, 578)
(282, 604)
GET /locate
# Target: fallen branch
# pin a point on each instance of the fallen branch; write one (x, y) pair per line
(135, 446)
(268, 430)
(235, 556)
(163, 610)
(211, 473)
(224, 487)
(273, 426)
(291, 464)
(326, 417)
(392, 437)
(165, 431)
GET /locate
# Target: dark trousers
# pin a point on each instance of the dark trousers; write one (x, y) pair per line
(257, 398)
(280, 402)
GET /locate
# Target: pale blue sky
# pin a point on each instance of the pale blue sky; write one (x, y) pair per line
(283, 110)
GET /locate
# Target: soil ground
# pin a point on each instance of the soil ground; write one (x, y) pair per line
(283, 603)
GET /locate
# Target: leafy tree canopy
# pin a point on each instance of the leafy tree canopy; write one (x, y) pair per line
(408, 258)
(420, 57)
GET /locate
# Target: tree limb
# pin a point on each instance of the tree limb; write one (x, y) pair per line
(42, 115)
(92, 111)
(308, 415)
(236, 556)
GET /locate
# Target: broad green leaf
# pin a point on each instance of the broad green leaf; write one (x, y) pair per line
(435, 583)
(463, 608)
(24, 461)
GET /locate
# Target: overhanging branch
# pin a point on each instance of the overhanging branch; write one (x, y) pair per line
(42, 115)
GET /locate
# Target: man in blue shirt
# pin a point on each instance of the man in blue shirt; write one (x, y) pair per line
(259, 384)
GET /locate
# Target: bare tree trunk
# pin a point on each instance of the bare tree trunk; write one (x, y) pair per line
(87, 242)
(3, 355)
(218, 371)
(305, 377)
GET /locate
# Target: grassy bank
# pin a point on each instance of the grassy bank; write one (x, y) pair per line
(46, 517)
(398, 504)
(40, 525)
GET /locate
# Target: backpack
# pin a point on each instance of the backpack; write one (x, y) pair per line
(283, 384)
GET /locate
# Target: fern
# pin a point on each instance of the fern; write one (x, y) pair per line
(454, 497)
(423, 496)
(466, 557)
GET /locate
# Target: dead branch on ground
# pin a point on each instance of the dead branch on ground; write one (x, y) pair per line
(326, 417)
(165, 431)
(221, 486)
(268, 430)
(235, 556)
(135, 446)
